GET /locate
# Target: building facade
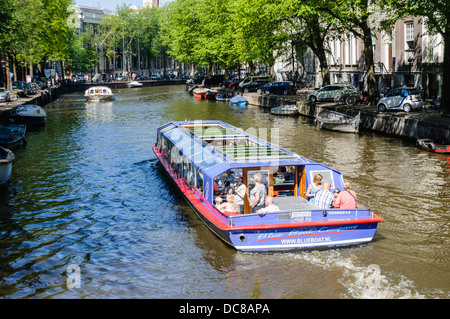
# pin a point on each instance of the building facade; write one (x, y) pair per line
(406, 55)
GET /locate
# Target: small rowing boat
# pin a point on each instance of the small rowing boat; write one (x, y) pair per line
(238, 100)
(335, 121)
(200, 93)
(12, 136)
(6, 159)
(33, 116)
(285, 110)
(432, 146)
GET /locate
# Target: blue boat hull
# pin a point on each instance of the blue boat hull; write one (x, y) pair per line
(304, 238)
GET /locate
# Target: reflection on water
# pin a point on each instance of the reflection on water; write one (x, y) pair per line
(87, 190)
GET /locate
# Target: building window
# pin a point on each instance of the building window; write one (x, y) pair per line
(409, 41)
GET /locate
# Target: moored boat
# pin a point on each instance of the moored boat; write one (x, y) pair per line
(33, 116)
(223, 97)
(335, 121)
(134, 84)
(210, 95)
(285, 110)
(432, 146)
(99, 93)
(199, 155)
(6, 159)
(238, 100)
(12, 136)
(200, 93)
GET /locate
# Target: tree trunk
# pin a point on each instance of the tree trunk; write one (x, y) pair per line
(8, 75)
(370, 67)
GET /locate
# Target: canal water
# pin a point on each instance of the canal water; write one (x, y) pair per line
(89, 213)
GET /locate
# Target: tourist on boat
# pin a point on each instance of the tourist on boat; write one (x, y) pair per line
(270, 206)
(347, 198)
(324, 198)
(230, 207)
(257, 194)
(314, 187)
(239, 192)
(219, 204)
(336, 193)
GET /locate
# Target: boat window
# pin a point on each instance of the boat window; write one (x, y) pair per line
(199, 181)
(284, 175)
(327, 176)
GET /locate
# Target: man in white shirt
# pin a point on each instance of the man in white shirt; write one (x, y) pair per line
(270, 207)
(239, 191)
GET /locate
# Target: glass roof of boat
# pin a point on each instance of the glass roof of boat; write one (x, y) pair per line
(208, 145)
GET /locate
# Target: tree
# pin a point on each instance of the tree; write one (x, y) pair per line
(355, 16)
(312, 27)
(258, 31)
(436, 15)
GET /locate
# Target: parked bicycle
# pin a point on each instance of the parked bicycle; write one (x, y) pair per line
(351, 97)
(432, 106)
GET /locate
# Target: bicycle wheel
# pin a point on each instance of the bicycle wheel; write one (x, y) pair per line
(339, 98)
(350, 100)
(430, 107)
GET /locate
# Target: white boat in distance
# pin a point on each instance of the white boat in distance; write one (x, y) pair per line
(99, 93)
(134, 84)
(335, 121)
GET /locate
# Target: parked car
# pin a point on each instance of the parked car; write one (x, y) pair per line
(406, 99)
(276, 88)
(214, 80)
(4, 95)
(32, 88)
(254, 86)
(41, 85)
(155, 77)
(232, 84)
(328, 92)
(19, 88)
(250, 79)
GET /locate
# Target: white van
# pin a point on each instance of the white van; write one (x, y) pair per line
(251, 79)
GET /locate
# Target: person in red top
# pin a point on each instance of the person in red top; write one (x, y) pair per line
(347, 198)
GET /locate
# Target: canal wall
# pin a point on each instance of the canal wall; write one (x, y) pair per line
(413, 125)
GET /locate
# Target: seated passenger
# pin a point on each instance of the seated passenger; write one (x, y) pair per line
(219, 204)
(230, 207)
(270, 206)
(347, 198)
(324, 198)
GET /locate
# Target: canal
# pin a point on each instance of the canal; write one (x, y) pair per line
(89, 213)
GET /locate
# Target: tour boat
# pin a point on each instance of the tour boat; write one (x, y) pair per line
(6, 159)
(33, 116)
(432, 146)
(99, 93)
(198, 155)
(336, 121)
